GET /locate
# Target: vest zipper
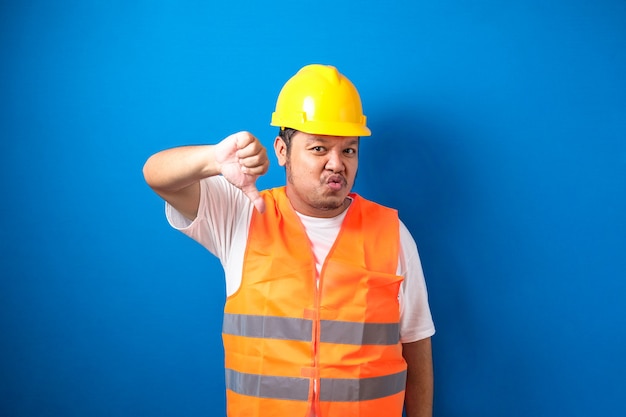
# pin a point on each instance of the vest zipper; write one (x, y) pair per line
(316, 380)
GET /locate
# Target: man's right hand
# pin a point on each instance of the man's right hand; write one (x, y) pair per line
(242, 159)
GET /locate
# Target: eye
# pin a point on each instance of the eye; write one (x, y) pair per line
(350, 151)
(318, 149)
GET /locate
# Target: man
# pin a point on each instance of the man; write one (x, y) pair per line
(327, 312)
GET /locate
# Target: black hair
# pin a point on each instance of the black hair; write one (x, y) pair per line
(286, 133)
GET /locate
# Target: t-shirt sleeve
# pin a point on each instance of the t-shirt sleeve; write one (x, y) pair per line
(221, 209)
(416, 322)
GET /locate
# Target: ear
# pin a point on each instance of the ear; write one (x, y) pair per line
(281, 151)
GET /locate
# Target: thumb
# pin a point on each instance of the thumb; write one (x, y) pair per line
(253, 194)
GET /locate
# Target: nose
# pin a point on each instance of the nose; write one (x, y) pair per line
(335, 162)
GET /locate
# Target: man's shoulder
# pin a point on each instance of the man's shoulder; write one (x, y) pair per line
(222, 197)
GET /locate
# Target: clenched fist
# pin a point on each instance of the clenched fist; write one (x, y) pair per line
(242, 159)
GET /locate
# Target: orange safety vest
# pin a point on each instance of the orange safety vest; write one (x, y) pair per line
(291, 343)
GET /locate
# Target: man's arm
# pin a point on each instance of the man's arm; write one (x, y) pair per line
(175, 174)
(418, 399)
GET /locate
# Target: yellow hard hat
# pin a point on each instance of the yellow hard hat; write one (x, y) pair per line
(321, 101)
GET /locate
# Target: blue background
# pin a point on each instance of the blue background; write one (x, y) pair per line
(499, 132)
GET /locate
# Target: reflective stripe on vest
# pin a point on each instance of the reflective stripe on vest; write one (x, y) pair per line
(348, 333)
(265, 386)
(287, 328)
(331, 389)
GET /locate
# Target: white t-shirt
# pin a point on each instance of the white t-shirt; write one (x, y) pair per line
(222, 227)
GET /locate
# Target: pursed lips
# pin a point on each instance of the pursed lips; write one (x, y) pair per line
(336, 182)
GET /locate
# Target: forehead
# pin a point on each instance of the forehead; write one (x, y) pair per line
(308, 139)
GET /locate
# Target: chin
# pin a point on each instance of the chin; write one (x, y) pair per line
(330, 203)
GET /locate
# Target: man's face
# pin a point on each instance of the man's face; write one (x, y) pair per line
(320, 172)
